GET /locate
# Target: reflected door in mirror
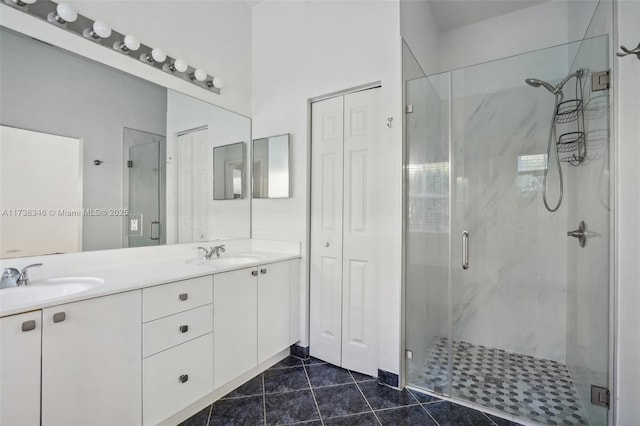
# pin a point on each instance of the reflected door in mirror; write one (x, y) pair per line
(192, 186)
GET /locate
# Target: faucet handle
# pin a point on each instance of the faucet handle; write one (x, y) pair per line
(205, 252)
(9, 277)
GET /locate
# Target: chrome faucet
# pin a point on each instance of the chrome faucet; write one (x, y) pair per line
(206, 254)
(11, 277)
(217, 250)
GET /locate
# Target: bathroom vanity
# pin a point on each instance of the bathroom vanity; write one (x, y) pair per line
(150, 343)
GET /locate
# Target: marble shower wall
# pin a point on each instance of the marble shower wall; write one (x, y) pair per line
(513, 296)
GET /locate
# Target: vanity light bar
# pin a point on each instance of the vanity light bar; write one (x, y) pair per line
(96, 31)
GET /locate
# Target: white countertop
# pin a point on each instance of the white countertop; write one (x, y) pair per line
(118, 279)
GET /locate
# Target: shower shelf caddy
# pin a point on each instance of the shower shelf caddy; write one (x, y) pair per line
(572, 146)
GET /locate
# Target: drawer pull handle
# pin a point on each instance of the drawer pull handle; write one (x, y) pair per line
(254, 273)
(263, 271)
(59, 317)
(184, 328)
(29, 325)
(183, 296)
(184, 378)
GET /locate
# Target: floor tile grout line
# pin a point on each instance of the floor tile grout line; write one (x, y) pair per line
(209, 417)
(423, 407)
(365, 399)
(264, 401)
(489, 418)
(313, 394)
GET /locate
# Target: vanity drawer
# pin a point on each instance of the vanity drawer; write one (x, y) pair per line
(164, 300)
(176, 378)
(170, 331)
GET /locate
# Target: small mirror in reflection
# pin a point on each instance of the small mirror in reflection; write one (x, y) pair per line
(228, 171)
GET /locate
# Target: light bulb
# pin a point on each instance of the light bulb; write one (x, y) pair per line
(180, 65)
(199, 74)
(158, 55)
(217, 82)
(131, 42)
(100, 29)
(63, 14)
(66, 12)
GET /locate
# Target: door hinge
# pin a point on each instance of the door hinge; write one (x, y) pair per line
(408, 109)
(129, 163)
(600, 396)
(408, 354)
(600, 81)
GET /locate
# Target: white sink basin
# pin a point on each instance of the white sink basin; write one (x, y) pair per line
(45, 289)
(231, 259)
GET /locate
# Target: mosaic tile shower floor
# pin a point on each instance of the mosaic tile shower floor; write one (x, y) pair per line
(537, 389)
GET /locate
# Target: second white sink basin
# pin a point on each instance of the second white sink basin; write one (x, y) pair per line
(44, 290)
(231, 259)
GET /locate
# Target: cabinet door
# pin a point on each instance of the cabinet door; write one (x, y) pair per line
(92, 362)
(235, 332)
(20, 369)
(273, 309)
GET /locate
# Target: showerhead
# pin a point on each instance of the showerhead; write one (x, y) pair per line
(534, 82)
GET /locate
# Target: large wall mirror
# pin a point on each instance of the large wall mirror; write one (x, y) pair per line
(271, 168)
(95, 158)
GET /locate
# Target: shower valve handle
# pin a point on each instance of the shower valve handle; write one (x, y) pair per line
(580, 234)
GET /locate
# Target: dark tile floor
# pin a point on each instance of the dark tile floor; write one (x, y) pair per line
(313, 393)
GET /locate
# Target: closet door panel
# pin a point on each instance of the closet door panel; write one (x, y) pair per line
(362, 127)
(326, 229)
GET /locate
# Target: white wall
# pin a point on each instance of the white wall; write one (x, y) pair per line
(213, 35)
(533, 28)
(420, 31)
(306, 49)
(626, 84)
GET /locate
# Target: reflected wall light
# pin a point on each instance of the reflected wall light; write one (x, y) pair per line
(156, 55)
(129, 43)
(63, 14)
(98, 30)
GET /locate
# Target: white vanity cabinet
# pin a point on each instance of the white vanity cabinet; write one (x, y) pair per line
(252, 317)
(177, 343)
(91, 369)
(20, 369)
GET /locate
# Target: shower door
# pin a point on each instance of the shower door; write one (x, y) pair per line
(144, 188)
(503, 308)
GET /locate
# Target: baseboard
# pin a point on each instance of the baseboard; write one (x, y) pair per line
(301, 352)
(387, 378)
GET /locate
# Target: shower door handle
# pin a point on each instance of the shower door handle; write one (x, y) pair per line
(465, 250)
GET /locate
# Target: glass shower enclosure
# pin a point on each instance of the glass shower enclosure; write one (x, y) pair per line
(504, 309)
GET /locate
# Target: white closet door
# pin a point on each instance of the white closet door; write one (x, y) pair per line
(202, 156)
(185, 191)
(360, 224)
(326, 230)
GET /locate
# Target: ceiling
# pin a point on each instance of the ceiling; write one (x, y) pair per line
(451, 14)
